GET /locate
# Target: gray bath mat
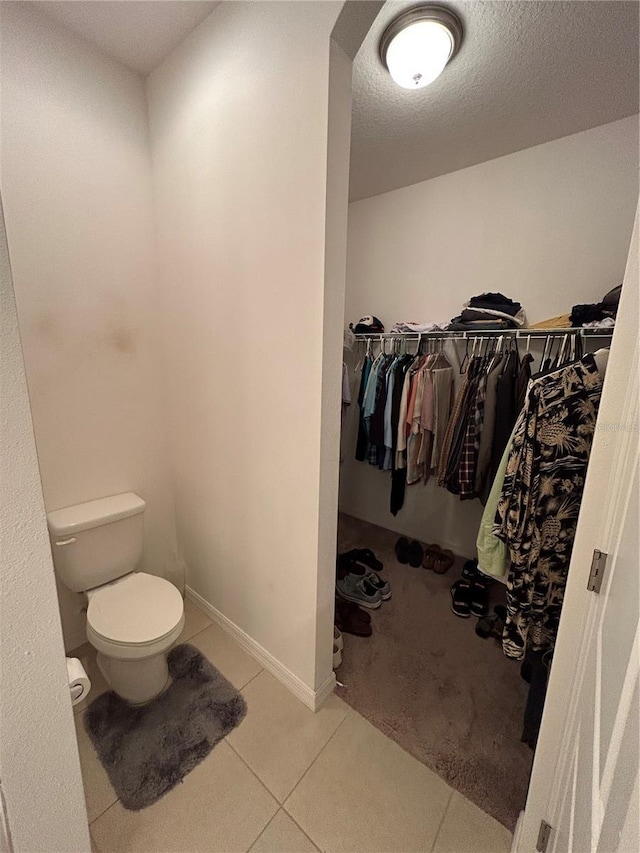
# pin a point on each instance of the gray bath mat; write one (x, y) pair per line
(147, 750)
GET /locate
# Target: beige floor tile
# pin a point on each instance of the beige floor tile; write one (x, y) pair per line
(364, 793)
(283, 835)
(98, 793)
(279, 738)
(220, 806)
(467, 829)
(225, 654)
(87, 656)
(194, 621)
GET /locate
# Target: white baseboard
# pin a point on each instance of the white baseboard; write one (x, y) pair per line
(313, 699)
(515, 845)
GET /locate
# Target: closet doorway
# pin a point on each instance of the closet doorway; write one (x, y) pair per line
(481, 254)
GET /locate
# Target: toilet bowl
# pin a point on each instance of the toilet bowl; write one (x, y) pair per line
(133, 618)
(132, 623)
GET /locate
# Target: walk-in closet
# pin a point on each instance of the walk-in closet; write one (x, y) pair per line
(485, 258)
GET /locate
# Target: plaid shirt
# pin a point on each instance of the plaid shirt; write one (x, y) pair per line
(467, 469)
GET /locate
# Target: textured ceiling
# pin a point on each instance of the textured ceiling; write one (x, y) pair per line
(138, 33)
(527, 72)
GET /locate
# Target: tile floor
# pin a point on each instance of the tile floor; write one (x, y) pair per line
(286, 780)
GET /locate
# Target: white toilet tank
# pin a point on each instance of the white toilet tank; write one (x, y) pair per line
(96, 542)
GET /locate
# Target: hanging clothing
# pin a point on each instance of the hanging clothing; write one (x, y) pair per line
(443, 383)
(493, 555)
(483, 461)
(398, 463)
(506, 414)
(460, 452)
(537, 511)
(363, 436)
(522, 381)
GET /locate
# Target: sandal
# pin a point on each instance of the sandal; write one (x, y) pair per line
(402, 550)
(461, 599)
(479, 600)
(431, 553)
(366, 557)
(470, 570)
(345, 565)
(443, 562)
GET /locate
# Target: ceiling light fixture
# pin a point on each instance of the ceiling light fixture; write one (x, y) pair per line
(417, 45)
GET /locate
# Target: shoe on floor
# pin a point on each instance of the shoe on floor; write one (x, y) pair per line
(366, 557)
(337, 638)
(443, 561)
(430, 554)
(346, 564)
(479, 600)
(356, 589)
(416, 554)
(461, 599)
(402, 550)
(383, 586)
(348, 608)
(351, 619)
(337, 656)
(491, 626)
(470, 570)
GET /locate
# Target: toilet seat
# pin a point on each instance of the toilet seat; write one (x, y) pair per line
(134, 615)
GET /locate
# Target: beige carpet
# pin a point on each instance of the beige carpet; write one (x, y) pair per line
(430, 683)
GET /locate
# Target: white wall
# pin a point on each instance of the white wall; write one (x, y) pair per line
(549, 226)
(33, 680)
(76, 180)
(339, 137)
(238, 119)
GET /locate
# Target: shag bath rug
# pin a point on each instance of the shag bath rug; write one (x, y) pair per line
(147, 749)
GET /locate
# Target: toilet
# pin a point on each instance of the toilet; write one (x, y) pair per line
(133, 618)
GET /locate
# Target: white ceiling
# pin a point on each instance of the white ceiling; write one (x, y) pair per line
(138, 33)
(527, 72)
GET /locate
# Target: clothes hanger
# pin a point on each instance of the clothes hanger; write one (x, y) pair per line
(463, 366)
(544, 352)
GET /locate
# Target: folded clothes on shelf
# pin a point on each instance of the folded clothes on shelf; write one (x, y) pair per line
(489, 311)
(417, 328)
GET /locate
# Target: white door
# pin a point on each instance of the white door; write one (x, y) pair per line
(600, 765)
(584, 783)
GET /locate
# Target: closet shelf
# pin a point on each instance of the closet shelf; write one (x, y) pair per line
(579, 331)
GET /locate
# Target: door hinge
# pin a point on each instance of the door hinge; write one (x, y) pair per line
(598, 565)
(543, 836)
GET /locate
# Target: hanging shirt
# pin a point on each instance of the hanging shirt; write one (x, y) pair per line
(538, 508)
(388, 428)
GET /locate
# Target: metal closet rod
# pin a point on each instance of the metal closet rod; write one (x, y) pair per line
(487, 333)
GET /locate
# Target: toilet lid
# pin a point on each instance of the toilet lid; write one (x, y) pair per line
(139, 608)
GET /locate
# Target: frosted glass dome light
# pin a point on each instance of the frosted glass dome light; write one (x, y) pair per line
(417, 45)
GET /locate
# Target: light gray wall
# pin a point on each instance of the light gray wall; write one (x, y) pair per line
(39, 764)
